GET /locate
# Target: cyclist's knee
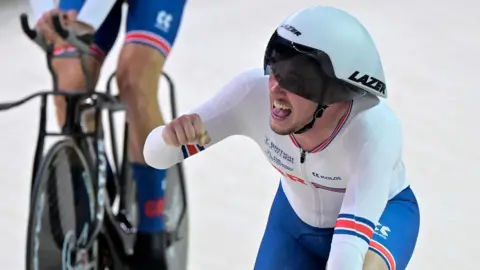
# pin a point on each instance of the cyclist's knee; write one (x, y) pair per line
(138, 72)
(70, 73)
(374, 262)
(71, 77)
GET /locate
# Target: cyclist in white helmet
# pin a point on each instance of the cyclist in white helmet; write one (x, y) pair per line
(315, 109)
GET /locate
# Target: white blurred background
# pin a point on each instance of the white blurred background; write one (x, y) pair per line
(430, 51)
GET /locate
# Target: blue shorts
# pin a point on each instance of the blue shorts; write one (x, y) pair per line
(153, 23)
(289, 243)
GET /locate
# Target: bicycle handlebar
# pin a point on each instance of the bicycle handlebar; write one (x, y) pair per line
(80, 42)
(33, 34)
(105, 100)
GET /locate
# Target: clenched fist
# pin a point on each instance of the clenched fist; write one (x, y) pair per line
(186, 129)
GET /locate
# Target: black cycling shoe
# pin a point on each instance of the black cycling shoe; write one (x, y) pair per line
(149, 251)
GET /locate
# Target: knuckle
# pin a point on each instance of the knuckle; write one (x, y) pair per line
(175, 122)
(185, 119)
(192, 118)
(172, 127)
(181, 119)
(168, 128)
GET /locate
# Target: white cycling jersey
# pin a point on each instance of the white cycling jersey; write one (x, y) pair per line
(93, 12)
(344, 183)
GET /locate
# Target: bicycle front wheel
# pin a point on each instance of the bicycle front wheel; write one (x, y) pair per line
(62, 211)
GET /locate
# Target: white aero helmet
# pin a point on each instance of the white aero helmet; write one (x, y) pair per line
(322, 45)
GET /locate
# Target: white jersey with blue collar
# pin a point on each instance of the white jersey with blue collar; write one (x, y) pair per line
(344, 183)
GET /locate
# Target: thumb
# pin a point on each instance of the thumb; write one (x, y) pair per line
(204, 139)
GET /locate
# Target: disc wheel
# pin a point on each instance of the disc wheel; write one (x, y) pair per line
(62, 211)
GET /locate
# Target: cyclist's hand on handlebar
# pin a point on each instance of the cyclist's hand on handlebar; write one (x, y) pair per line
(186, 129)
(45, 25)
(68, 20)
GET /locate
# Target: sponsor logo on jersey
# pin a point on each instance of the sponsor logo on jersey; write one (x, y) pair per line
(275, 149)
(291, 177)
(382, 231)
(276, 160)
(164, 21)
(323, 177)
(303, 182)
(369, 81)
(292, 29)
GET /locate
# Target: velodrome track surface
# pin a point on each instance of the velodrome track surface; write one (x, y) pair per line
(430, 53)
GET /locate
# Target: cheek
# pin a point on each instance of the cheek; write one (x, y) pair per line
(302, 105)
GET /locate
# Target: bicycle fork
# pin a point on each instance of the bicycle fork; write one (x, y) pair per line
(96, 148)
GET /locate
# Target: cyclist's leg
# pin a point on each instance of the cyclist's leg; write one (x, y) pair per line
(67, 66)
(151, 30)
(66, 63)
(71, 77)
(395, 237)
(284, 247)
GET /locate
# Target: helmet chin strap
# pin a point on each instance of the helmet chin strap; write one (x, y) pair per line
(318, 113)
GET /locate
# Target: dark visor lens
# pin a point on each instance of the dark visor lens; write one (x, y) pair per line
(297, 71)
(298, 74)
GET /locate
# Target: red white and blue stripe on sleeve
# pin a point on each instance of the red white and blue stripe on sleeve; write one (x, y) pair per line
(191, 149)
(355, 226)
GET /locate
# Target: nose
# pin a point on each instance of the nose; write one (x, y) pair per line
(274, 86)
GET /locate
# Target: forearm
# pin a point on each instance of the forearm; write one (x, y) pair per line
(158, 154)
(346, 256)
(228, 113)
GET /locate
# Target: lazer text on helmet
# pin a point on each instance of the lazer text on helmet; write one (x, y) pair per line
(291, 29)
(368, 81)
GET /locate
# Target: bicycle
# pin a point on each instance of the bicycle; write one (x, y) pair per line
(71, 179)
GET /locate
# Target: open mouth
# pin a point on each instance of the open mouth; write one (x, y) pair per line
(280, 111)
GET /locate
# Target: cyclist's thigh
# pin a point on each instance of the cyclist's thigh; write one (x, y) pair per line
(395, 237)
(280, 248)
(154, 23)
(105, 35)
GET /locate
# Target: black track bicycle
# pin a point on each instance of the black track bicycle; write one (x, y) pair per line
(81, 214)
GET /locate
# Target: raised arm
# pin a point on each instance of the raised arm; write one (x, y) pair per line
(229, 112)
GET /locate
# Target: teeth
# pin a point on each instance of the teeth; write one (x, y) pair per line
(277, 104)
